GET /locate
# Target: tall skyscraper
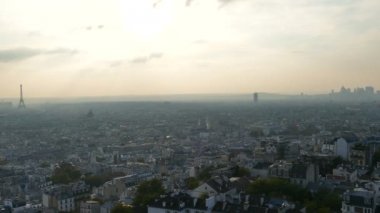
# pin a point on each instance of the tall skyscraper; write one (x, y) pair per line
(369, 90)
(255, 97)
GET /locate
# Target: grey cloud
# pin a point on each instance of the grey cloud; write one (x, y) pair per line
(61, 51)
(298, 52)
(146, 59)
(157, 3)
(95, 27)
(139, 60)
(34, 34)
(188, 3)
(200, 41)
(19, 54)
(222, 2)
(225, 2)
(116, 63)
(156, 55)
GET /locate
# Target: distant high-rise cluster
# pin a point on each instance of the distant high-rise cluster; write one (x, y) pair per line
(367, 91)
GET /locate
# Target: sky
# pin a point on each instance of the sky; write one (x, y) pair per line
(76, 48)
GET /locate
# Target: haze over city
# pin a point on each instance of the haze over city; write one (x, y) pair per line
(189, 106)
(141, 47)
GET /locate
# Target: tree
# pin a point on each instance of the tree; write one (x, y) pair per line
(327, 199)
(121, 208)
(98, 180)
(140, 160)
(328, 167)
(44, 165)
(65, 173)
(204, 196)
(147, 191)
(376, 158)
(192, 183)
(256, 132)
(205, 174)
(281, 151)
(3, 162)
(241, 172)
(324, 200)
(278, 188)
(95, 181)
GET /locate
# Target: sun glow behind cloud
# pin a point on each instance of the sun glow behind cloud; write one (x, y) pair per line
(144, 19)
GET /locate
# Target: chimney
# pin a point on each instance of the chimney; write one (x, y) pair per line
(246, 206)
(224, 205)
(261, 201)
(182, 205)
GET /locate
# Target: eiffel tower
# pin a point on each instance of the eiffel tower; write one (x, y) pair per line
(21, 104)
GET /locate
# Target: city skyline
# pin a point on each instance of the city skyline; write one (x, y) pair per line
(114, 48)
(342, 94)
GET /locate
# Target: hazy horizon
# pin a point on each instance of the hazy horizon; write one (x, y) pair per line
(113, 48)
(160, 95)
(246, 98)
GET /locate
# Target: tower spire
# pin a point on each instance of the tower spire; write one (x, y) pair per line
(21, 104)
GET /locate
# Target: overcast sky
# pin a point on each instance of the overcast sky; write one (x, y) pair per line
(66, 48)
